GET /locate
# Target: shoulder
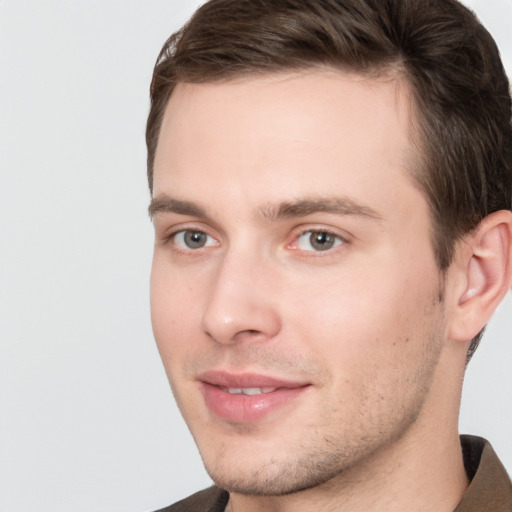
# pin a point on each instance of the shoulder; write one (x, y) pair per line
(212, 499)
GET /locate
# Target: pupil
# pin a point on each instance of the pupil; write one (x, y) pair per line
(321, 241)
(195, 239)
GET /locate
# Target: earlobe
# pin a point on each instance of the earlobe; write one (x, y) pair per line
(486, 271)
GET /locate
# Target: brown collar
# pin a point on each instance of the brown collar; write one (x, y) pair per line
(490, 487)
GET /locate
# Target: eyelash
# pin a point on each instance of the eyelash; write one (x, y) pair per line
(170, 239)
(339, 240)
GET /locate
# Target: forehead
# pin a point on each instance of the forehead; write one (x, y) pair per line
(285, 135)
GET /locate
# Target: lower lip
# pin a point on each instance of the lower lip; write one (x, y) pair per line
(247, 408)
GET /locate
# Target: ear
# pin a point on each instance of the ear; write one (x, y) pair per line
(483, 275)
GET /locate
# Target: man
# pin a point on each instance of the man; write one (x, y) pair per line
(331, 192)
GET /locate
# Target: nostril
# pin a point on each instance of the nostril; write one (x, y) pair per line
(251, 335)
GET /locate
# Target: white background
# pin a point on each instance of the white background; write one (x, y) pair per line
(87, 422)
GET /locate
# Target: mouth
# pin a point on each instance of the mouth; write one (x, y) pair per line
(247, 398)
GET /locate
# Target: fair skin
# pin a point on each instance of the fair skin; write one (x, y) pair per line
(293, 264)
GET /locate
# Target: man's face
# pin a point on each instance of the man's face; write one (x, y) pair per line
(294, 292)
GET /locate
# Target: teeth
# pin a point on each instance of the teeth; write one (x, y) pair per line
(253, 391)
(249, 391)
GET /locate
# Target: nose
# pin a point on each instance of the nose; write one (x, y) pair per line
(242, 304)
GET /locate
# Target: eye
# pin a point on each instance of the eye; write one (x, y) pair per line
(190, 239)
(318, 241)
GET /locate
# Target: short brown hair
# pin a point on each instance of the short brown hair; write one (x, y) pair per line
(460, 88)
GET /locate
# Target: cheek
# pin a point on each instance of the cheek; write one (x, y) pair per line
(364, 318)
(173, 311)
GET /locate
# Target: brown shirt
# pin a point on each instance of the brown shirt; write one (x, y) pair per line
(490, 489)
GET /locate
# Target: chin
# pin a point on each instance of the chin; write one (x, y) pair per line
(271, 483)
(277, 474)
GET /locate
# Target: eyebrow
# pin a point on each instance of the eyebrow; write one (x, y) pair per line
(308, 206)
(166, 204)
(296, 208)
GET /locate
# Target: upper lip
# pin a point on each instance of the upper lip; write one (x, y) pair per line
(246, 380)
